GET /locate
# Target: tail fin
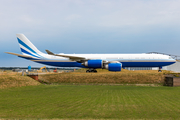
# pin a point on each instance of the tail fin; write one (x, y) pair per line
(27, 48)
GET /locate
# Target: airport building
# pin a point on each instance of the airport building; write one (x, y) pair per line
(139, 68)
(174, 67)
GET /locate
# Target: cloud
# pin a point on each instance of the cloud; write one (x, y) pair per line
(89, 21)
(27, 19)
(143, 13)
(57, 14)
(72, 17)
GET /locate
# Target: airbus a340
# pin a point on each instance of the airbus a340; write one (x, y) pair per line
(111, 62)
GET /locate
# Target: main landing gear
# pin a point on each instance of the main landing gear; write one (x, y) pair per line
(91, 70)
(160, 69)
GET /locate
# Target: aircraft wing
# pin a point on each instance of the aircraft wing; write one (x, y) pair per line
(19, 55)
(76, 58)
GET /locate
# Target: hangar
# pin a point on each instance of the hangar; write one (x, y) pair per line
(174, 67)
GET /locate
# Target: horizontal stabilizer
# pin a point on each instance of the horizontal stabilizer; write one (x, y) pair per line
(19, 55)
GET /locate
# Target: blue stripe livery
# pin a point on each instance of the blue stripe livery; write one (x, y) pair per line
(24, 51)
(26, 46)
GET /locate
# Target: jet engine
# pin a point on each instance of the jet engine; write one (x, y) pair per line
(93, 63)
(113, 66)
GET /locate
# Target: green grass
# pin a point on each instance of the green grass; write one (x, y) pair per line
(90, 102)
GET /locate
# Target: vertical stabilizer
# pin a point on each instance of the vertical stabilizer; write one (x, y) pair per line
(27, 48)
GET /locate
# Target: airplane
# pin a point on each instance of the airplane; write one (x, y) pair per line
(111, 62)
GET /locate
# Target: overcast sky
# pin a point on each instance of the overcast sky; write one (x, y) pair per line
(89, 26)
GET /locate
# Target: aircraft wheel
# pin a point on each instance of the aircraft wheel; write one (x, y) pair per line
(95, 71)
(87, 71)
(160, 69)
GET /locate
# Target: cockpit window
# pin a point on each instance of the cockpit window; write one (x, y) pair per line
(170, 57)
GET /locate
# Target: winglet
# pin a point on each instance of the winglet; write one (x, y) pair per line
(49, 52)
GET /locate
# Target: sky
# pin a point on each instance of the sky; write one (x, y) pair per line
(89, 26)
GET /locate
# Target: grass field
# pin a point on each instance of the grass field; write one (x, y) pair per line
(8, 80)
(12, 79)
(104, 76)
(93, 96)
(90, 102)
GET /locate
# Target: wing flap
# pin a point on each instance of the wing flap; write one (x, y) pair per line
(76, 58)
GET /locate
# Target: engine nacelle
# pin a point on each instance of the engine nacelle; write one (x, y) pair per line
(93, 63)
(113, 66)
